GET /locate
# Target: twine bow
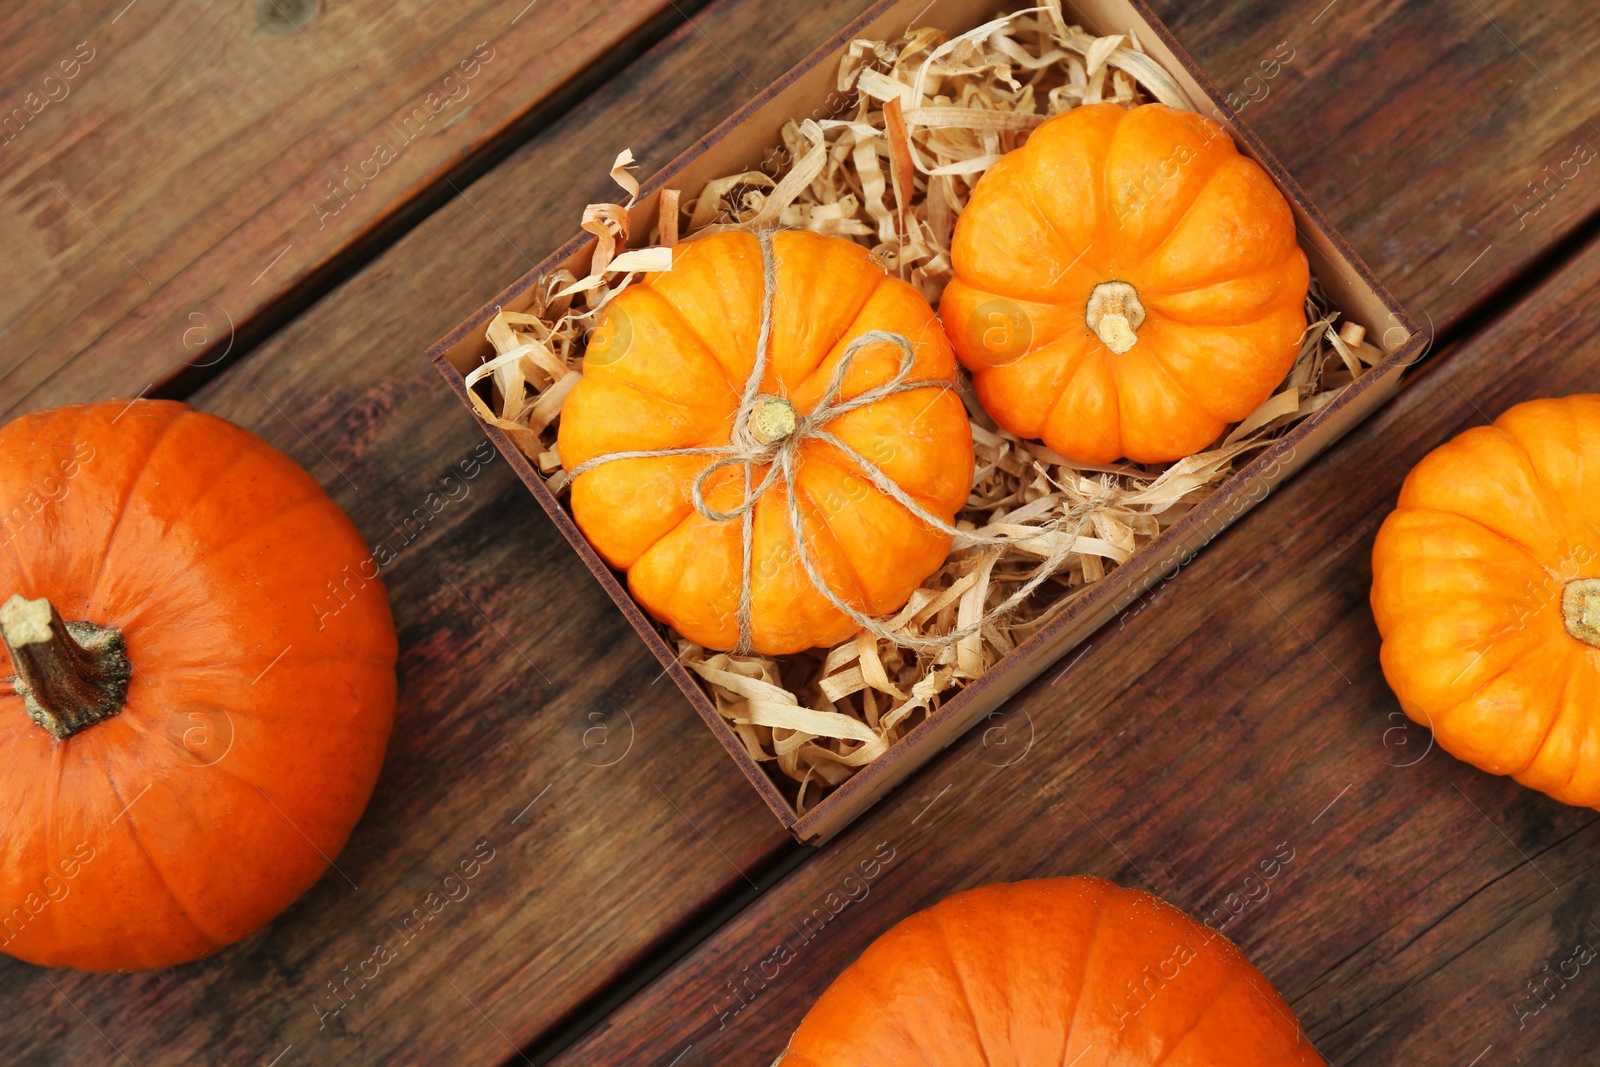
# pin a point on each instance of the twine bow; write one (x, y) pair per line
(769, 432)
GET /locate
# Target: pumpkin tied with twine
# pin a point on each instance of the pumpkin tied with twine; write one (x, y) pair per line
(1126, 284)
(767, 439)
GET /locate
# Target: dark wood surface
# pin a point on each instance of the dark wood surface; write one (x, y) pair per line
(212, 162)
(1223, 716)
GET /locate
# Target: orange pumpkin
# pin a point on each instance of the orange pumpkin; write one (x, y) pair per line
(1486, 590)
(202, 666)
(1055, 971)
(1126, 284)
(668, 369)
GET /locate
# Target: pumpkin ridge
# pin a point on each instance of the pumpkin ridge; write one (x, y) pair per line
(1533, 557)
(1065, 397)
(313, 496)
(1274, 270)
(1268, 308)
(1104, 904)
(910, 1044)
(851, 575)
(1557, 492)
(227, 772)
(961, 983)
(1439, 713)
(1050, 224)
(1212, 1000)
(679, 410)
(1510, 664)
(283, 657)
(58, 755)
(1253, 175)
(1218, 160)
(735, 388)
(1222, 159)
(1300, 1036)
(1550, 727)
(1040, 338)
(1567, 789)
(218, 477)
(161, 876)
(130, 619)
(848, 330)
(162, 744)
(1055, 387)
(1154, 354)
(26, 809)
(1177, 228)
(127, 497)
(824, 453)
(670, 594)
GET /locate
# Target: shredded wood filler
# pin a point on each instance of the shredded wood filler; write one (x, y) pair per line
(927, 114)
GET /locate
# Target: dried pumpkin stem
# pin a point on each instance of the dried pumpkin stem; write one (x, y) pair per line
(71, 675)
(1114, 314)
(773, 419)
(1580, 609)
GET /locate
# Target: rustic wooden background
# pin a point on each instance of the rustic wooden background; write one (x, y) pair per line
(171, 230)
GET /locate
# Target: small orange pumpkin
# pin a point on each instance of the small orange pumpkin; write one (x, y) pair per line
(668, 369)
(202, 666)
(1486, 591)
(1126, 284)
(1061, 970)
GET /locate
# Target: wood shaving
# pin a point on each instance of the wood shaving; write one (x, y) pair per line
(928, 113)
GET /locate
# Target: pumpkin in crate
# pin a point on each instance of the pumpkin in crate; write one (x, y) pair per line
(1486, 591)
(1126, 284)
(768, 383)
(1042, 973)
(201, 686)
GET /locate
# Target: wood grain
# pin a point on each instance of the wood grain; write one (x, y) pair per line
(1238, 711)
(207, 159)
(519, 683)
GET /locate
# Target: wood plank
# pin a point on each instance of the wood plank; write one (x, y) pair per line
(519, 682)
(1238, 711)
(205, 161)
(1418, 128)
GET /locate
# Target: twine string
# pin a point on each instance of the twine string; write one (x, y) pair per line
(747, 450)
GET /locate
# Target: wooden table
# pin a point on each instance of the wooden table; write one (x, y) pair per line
(183, 223)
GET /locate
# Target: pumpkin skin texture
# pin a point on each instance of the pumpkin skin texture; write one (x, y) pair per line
(1098, 199)
(667, 369)
(258, 706)
(1041, 973)
(1486, 589)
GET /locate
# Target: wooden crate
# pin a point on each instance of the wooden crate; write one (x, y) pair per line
(744, 138)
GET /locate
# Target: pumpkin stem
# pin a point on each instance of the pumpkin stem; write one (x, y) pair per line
(70, 675)
(1114, 313)
(1580, 609)
(772, 419)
